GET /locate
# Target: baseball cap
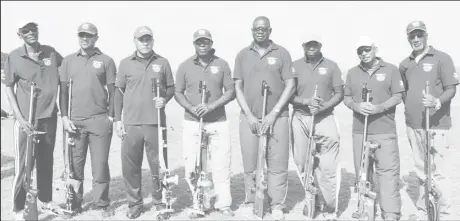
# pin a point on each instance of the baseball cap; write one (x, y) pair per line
(415, 25)
(202, 33)
(87, 28)
(143, 30)
(311, 37)
(22, 24)
(364, 41)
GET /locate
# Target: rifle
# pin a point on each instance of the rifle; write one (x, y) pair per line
(364, 186)
(168, 180)
(71, 184)
(432, 195)
(30, 182)
(261, 200)
(311, 191)
(203, 184)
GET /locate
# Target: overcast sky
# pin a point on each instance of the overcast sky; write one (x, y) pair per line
(339, 23)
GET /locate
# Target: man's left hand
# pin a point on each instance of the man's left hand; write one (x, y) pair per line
(159, 102)
(428, 100)
(376, 109)
(268, 122)
(203, 109)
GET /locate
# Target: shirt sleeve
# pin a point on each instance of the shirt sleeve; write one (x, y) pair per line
(348, 87)
(397, 84)
(120, 80)
(286, 71)
(402, 73)
(63, 74)
(111, 72)
(59, 59)
(228, 82)
(180, 79)
(448, 75)
(10, 73)
(238, 69)
(168, 75)
(337, 79)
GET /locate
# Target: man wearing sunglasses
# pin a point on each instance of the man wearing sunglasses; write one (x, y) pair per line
(135, 98)
(93, 79)
(310, 71)
(426, 63)
(33, 62)
(205, 66)
(384, 81)
(264, 60)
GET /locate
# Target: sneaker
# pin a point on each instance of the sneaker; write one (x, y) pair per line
(18, 215)
(226, 212)
(278, 214)
(51, 207)
(134, 212)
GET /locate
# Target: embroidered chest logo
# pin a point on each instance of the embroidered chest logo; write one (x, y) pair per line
(214, 69)
(271, 60)
(47, 61)
(156, 67)
(97, 64)
(427, 67)
(322, 71)
(380, 77)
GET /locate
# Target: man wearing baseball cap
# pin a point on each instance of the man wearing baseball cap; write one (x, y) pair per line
(264, 60)
(90, 123)
(384, 81)
(426, 63)
(310, 71)
(206, 67)
(33, 62)
(135, 98)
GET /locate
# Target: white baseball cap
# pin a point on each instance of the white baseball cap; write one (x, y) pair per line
(311, 37)
(364, 41)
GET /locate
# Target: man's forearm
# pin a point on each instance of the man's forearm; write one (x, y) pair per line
(64, 99)
(394, 100)
(297, 100)
(118, 103)
(111, 90)
(448, 94)
(349, 102)
(241, 100)
(285, 96)
(334, 101)
(169, 93)
(182, 100)
(224, 99)
(13, 102)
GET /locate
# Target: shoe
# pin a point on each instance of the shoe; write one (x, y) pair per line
(330, 216)
(195, 214)
(134, 212)
(18, 215)
(50, 207)
(226, 212)
(278, 214)
(418, 216)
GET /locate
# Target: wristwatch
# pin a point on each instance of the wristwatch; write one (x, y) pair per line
(438, 104)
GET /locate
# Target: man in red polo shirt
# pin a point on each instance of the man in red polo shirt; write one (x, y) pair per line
(310, 71)
(92, 113)
(426, 63)
(135, 98)
(206, 66)
(33, 62)
(263, 60)
(385, 82)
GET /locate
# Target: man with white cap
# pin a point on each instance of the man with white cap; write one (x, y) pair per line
(384, 81)
(426, 63)
(33, 62)
(92, 114)
(135, 98)
(206, 67)
(310, 71)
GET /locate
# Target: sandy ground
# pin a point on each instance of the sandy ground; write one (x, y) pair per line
(347, 202)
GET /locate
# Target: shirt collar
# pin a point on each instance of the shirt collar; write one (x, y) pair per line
(431, 51)
(96, 51)
(213, 52)
(380, 64)
(319, 61)
(273, 46)
(134, 56)
(23, 50)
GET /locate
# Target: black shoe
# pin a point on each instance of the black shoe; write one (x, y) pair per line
(134, 212)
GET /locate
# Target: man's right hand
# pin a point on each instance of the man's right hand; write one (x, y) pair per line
(25, 125)
(364, 108)
(68, 125)
(120, 128)
(254, 123)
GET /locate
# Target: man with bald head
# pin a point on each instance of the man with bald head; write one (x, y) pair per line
(426, 63)
(310, 71)
(264, 60)
(93, 81)
(135, 98)
(33, 62)
(384, 81)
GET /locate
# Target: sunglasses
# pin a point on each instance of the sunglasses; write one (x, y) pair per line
(260, 29)
(26, 31)
(203, 42)
(84, 34)
(418, 34)
(360, 50)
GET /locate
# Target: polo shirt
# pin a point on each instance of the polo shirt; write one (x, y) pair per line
(217, 76)
(274, 67)
(326, 74)
(137, 76)
(383, 83)
(438, 69)
(90, 74)
(21, 70)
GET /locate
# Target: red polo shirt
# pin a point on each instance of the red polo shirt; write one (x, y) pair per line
(136, 76)
(90, 75)
(274, 67)
(21, 70)
(437, 68)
